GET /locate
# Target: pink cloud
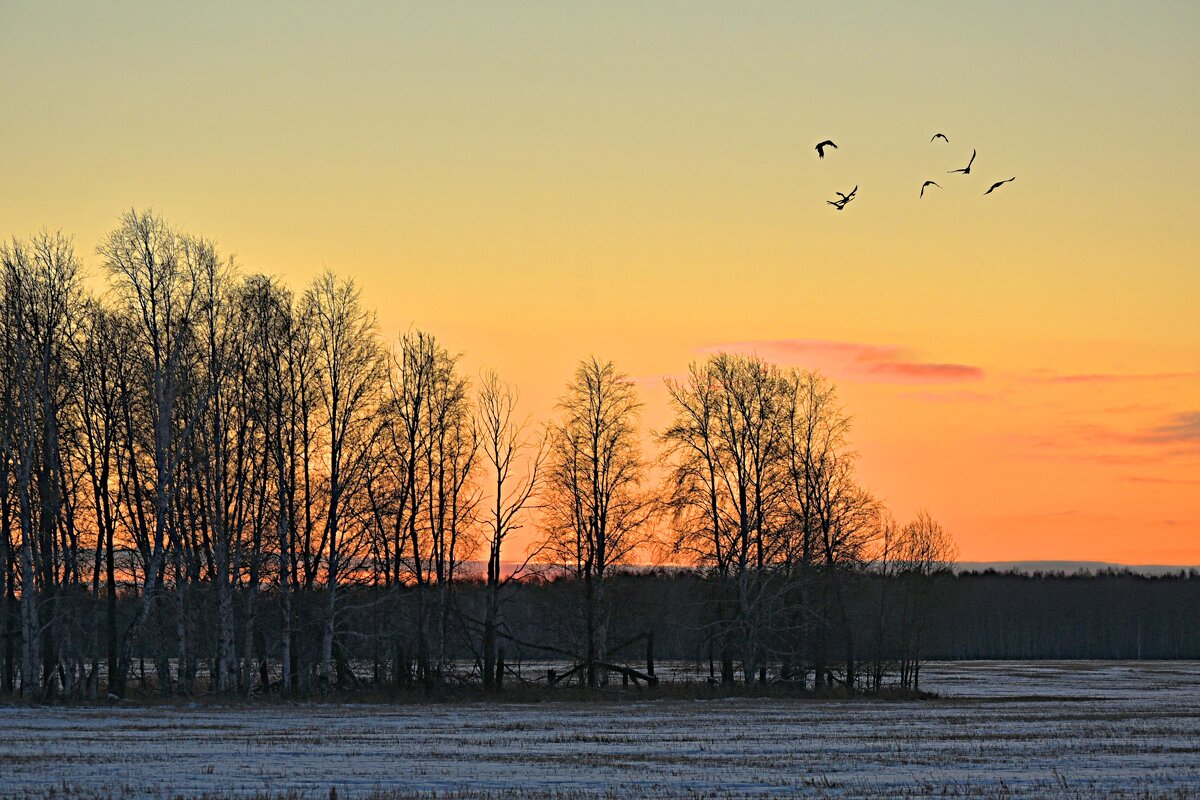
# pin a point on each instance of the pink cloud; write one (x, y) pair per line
(917, 372)
(855, 361)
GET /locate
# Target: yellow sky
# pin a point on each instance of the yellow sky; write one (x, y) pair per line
(638, 181)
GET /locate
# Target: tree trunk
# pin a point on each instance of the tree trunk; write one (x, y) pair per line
(9, 620)
(589, 610)
(182, 613)
(250, 635)
(30, 628)
(327, 629)
(489, 642)
(851, 675)
(110, 579)
(226, 654)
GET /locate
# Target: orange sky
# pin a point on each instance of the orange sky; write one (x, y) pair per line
(536, 184)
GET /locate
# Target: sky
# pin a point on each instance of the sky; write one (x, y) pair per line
(540, 182)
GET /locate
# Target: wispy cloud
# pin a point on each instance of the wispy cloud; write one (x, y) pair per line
(1055, 516)
(1182, 428)
(1177, 437)
(1162, 481)
(952, 396)
(1049, 376)
(854, 361)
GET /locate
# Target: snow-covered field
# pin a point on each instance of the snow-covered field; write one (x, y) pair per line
(1001, 729)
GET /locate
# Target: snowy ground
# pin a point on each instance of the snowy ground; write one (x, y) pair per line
(1001, 729)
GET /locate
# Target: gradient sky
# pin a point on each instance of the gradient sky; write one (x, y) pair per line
(541, 182)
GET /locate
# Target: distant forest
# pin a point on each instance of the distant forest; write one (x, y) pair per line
(209, 483)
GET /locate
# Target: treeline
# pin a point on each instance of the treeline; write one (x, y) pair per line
(1107, 615)
(247, 489)
(666, 620)
(977, 615)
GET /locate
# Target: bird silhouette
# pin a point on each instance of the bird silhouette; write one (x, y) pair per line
(822, 145)
(928, 183)
(846, 198)
(998, 184)
(967, 169)
(941, 136)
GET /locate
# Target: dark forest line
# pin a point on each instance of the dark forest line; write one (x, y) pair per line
(667, 615)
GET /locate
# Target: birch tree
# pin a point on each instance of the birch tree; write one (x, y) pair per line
(349, 371)
(98, 424)
(41, 299)
(276, 354)
(596, 503)
(155, 286)
(505, 441)
(726, 455)
(922, 549)
(833, 516)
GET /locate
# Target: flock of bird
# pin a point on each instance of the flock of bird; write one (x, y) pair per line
(843, 199)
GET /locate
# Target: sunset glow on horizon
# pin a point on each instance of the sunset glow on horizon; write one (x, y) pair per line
(540, 184)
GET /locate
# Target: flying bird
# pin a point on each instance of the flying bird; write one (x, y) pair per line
(846, 198)
(998, 184)
(941, 136)
(821, 147)
(967, 169)
(928, 183)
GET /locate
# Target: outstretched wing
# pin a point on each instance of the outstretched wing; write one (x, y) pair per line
(998, 184)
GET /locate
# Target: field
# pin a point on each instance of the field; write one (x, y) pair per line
(1064, 729)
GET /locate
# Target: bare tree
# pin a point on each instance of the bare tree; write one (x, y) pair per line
(883, 562)
(504, 442)
(597, 507)
(450, 466)
(726, 452)
(41, 299)
(218, 446)
(9, 627)
(156, 287)
(411, 377)
(276, 356)
(426, 490)
(98, 422)
(922, 549)
(350, 371)
(821, 489)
